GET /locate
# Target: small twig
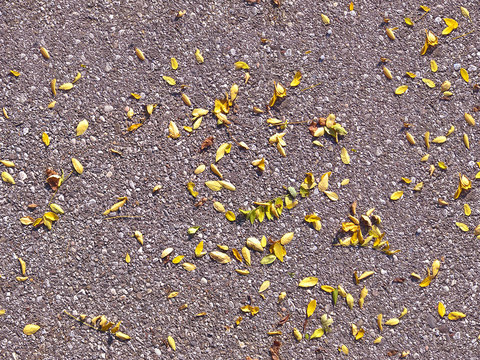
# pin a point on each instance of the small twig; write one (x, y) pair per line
(228, 130)
(311, 87)
(123, 216)
(80, 321)
(458, 37)
(420, 18)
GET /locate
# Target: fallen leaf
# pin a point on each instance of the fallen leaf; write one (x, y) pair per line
(311, 307)
(8, 178)
(401, 89)
(222, 150)
(199, 57)
(30, 329)
(296, 79)
(441, 309)
(139, 54)
(82, 127)
(392, 322)
(396, 195)
(66, 86)
(464, 75)
(174, 63)
(308, 282)
(241, 65)
(173, 130)
(77, 166)
(169, 80)
(455, 315)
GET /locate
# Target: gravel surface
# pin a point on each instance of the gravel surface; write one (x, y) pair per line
(79, 265)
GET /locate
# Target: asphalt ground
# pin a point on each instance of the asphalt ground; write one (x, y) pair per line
(79, 265)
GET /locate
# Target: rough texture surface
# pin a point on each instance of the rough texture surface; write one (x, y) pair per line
(79, 266)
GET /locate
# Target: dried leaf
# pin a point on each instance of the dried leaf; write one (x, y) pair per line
(441, 309)
(173, 130)
(469, 119)
(122, 336)
(465, 13)
(308, 282)
(312, 305)
(199, 57)
(396, 195)
(139, 53)
(350, 301)
(345, 157)
(77, 77)
(169, 80)
(220, 257)
(77, 166)
(171, 342)
(241, 65)
(45, 53)
(265, 285)
(7, 163)
(401, 89)
(66, 86)
(30, 329)
(222, 150)
(45, 139)
(455, 315)
(246, 256)
(296, 79)
(392, 322)
(82, 127)
(462, 226)
(331, 195)
(8, 178)
(214, 185)
(387, 73)
(464, 75)
(429, 83)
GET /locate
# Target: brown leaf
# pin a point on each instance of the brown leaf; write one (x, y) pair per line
(201, 202)
(476, 108)
(52, 179)
(322, 121)
(207, 143)
(391, 352)
(399, 280)
(313, 127)
(284, 320)
(32, 206)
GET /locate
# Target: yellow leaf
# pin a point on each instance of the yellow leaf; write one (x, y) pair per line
(462, 226)
(45, 139)
(52, 104)
(396, 195)
(27, 220)
(429, 83)
(136, 96)
(412, 75)
(447, 30)
(455, 315)
(127, 259)
(387, 73)
(404, 312)
(246, 256)
(8, 178)
(401, 89)
(331, 195)
(220, 257)
(241, 65)
(345, 157)
(139, 53)
(171, 342)
(418, 187)
(57, 209)
(260, 163)
(82, 127)
(378, 340)
(469, 119)
(392, 322)
(177, 259)
(441, 309)
(451, 23)
(465, 13)
(350, 7)
(345, 182)
(464, 74)
(222, 150)
(115, 328)
(365, 275)
(169, 80)
(264, 286)
(134, 127)
(296, 79)
(439, 139)
(433, 65)
(77, 77)
(425, 8)
(214, 185)
(190, 187)
(45, 53)
(173, 130)
(425, 282)
(23, 266)
(343, 349)
(7, 163)
(77, 166)
(467, 209)
(2, 312)
(408, 21)
(286, 238)
(189, 266)
(407, 181)
(122, 336)
(30, 329)
(66, 86)
(349, 300)
(327, 288)
(317, 334)
(308, 282)
(360, 334)
(199, 57)
(311, 307)
(442, 165)
(379, 322)
(325, 19)
(230, 216)
(390, 33)
(174, 63)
